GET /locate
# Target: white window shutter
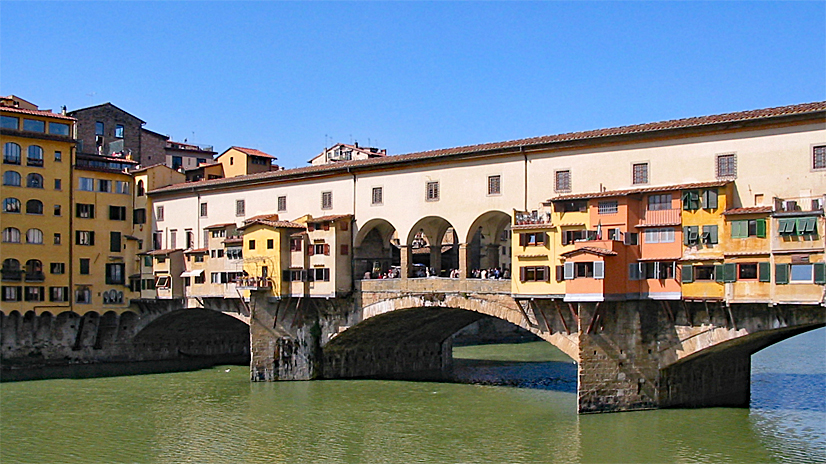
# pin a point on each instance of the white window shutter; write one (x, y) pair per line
(599, 269)
(569, 271)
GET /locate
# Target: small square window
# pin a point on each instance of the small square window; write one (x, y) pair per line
(494, 185)
(58, 184)
(119, 131)
(58, 156)
(57, 210)
(159, 213)
(726, 166)
(378, 196)
(432, 191)
(57, 239)
(203, 210)
(251, 244)
(99, 128)
(639, 173)
(84, 266)
(562, 181)
(282, 203)
(326, 200)
(270, 244)
(819, 157)
(608, 207)
(240, 207)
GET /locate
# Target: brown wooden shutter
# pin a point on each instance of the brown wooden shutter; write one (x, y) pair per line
(522, 274)
(327, 249)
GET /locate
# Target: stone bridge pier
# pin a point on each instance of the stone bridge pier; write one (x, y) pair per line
(631, 355)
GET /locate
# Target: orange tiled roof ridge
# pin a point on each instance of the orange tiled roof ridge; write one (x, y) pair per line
(684, 123)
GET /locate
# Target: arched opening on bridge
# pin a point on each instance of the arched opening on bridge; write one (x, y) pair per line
(488, 244)
(201, 335)
(376, 249)
(418, 344)
(433, 247)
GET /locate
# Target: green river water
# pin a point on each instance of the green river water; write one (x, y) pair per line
(217, 416)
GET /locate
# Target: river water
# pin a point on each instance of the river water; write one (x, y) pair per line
(217, 416)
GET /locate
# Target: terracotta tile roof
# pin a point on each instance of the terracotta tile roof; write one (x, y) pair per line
(233, 240)
(164, 251)
(267, 216)
(276, 224)
(626, 192)
(532, 226)
(254, 152)
(196, 250)
(599, 251)
(660, 258)
(220, 226)
(748, 210)
(48, 114)
(330, 218)
(511, 146)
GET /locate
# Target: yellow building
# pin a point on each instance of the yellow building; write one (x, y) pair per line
(35, 219)
(535, 255)
(265, 241)
(239, 161)
(104, 248)
(746, 243)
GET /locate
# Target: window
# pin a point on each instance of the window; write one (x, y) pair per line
(190, 239)
(99, 128)
(747, 271)
(159, 213)
(114, 274)
(84, 266)
(748, 228)
(58, 128)
(12, 178)
(219, 233)
(203, 210)
(58, 156)
(84, 237)
(157, 240)
(691, 200)
(251, 244)
(57, 239)
(122, 187)
(799, 226)
(282, 203)
(104, 185)
(119, 131)
(535, 274)
(562, 181)
(270, 244)
(114, 242)
(703, 272)
(199, 258)
(177, 162)
(378, 196)
(83, 210)
(295, 243)
(86, 184)
(326, 200)
(663, 235)
(819, 157)
(318, 249)
(57, 210)
(11, 153)
(34, 181)
(139, 216)
(117, 213)
(240, 207)
(607, 207)
(9, 122)
(11, 235)
(727, 166)
(691, 235)
(83, 295)
(58, 184)
(34, 236)
(318, 275)
(58, 294)
(33, 125)
(494, 185)
(35, 294)
(709, 235)
(11, 205)
(639, 173)
(173, 238)
(58, 268)
(432, 193)
(659, 270)
(141, 189)
(34, 156)
(532, 239)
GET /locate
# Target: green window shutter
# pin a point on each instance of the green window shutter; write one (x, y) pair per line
(808, 225)
(781, 273)
(687, 273)
(686, 235)
(718, 273)
(764, 272)
(761, 228)
(729, 272)
(687, 200)
(710, 199)
(736, 229)
(712, 233)
(820, 273)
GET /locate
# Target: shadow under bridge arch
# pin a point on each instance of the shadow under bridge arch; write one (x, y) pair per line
(196, 334)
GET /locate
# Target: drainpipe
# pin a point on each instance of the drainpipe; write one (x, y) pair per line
(525, 155)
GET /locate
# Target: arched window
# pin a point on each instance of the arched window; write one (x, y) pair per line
(34, 236)
(11, 205)
(34, 207)
(11, 235)
(11, 153)
(34, 266)
(35, 156)
(34, 180)
(11, 264)
(12, 178)
(141, 191)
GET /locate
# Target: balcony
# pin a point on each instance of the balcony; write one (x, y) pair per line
(253, 283)
(797, 205)
(34, 162)
(14, 275)
(661, 217)
(35, 277)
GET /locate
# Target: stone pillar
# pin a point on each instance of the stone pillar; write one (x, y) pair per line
(404, 265)
(436, 259)
(463, 268)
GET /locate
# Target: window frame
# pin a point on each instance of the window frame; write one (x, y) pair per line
(377, 196)
(494, 185)
(562, 180)
(432, 190)
(818, 165)
(730, 169)
(645, 171)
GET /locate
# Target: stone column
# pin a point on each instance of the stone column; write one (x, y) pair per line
(436, 259)
(463, 270)
(404, 265)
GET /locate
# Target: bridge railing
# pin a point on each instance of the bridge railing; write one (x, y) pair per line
(434, 285)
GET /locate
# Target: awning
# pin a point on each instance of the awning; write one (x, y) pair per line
(194, 273)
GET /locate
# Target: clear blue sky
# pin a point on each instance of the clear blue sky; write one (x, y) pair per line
(409, 76)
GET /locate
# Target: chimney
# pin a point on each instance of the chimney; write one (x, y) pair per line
(63, 110)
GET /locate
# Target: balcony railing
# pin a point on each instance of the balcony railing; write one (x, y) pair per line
(662, 217)
(12, 275)
(34, 162)
(798, 204)
(252, 283)
(35, 277)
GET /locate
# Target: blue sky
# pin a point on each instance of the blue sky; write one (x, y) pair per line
(287, 78)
